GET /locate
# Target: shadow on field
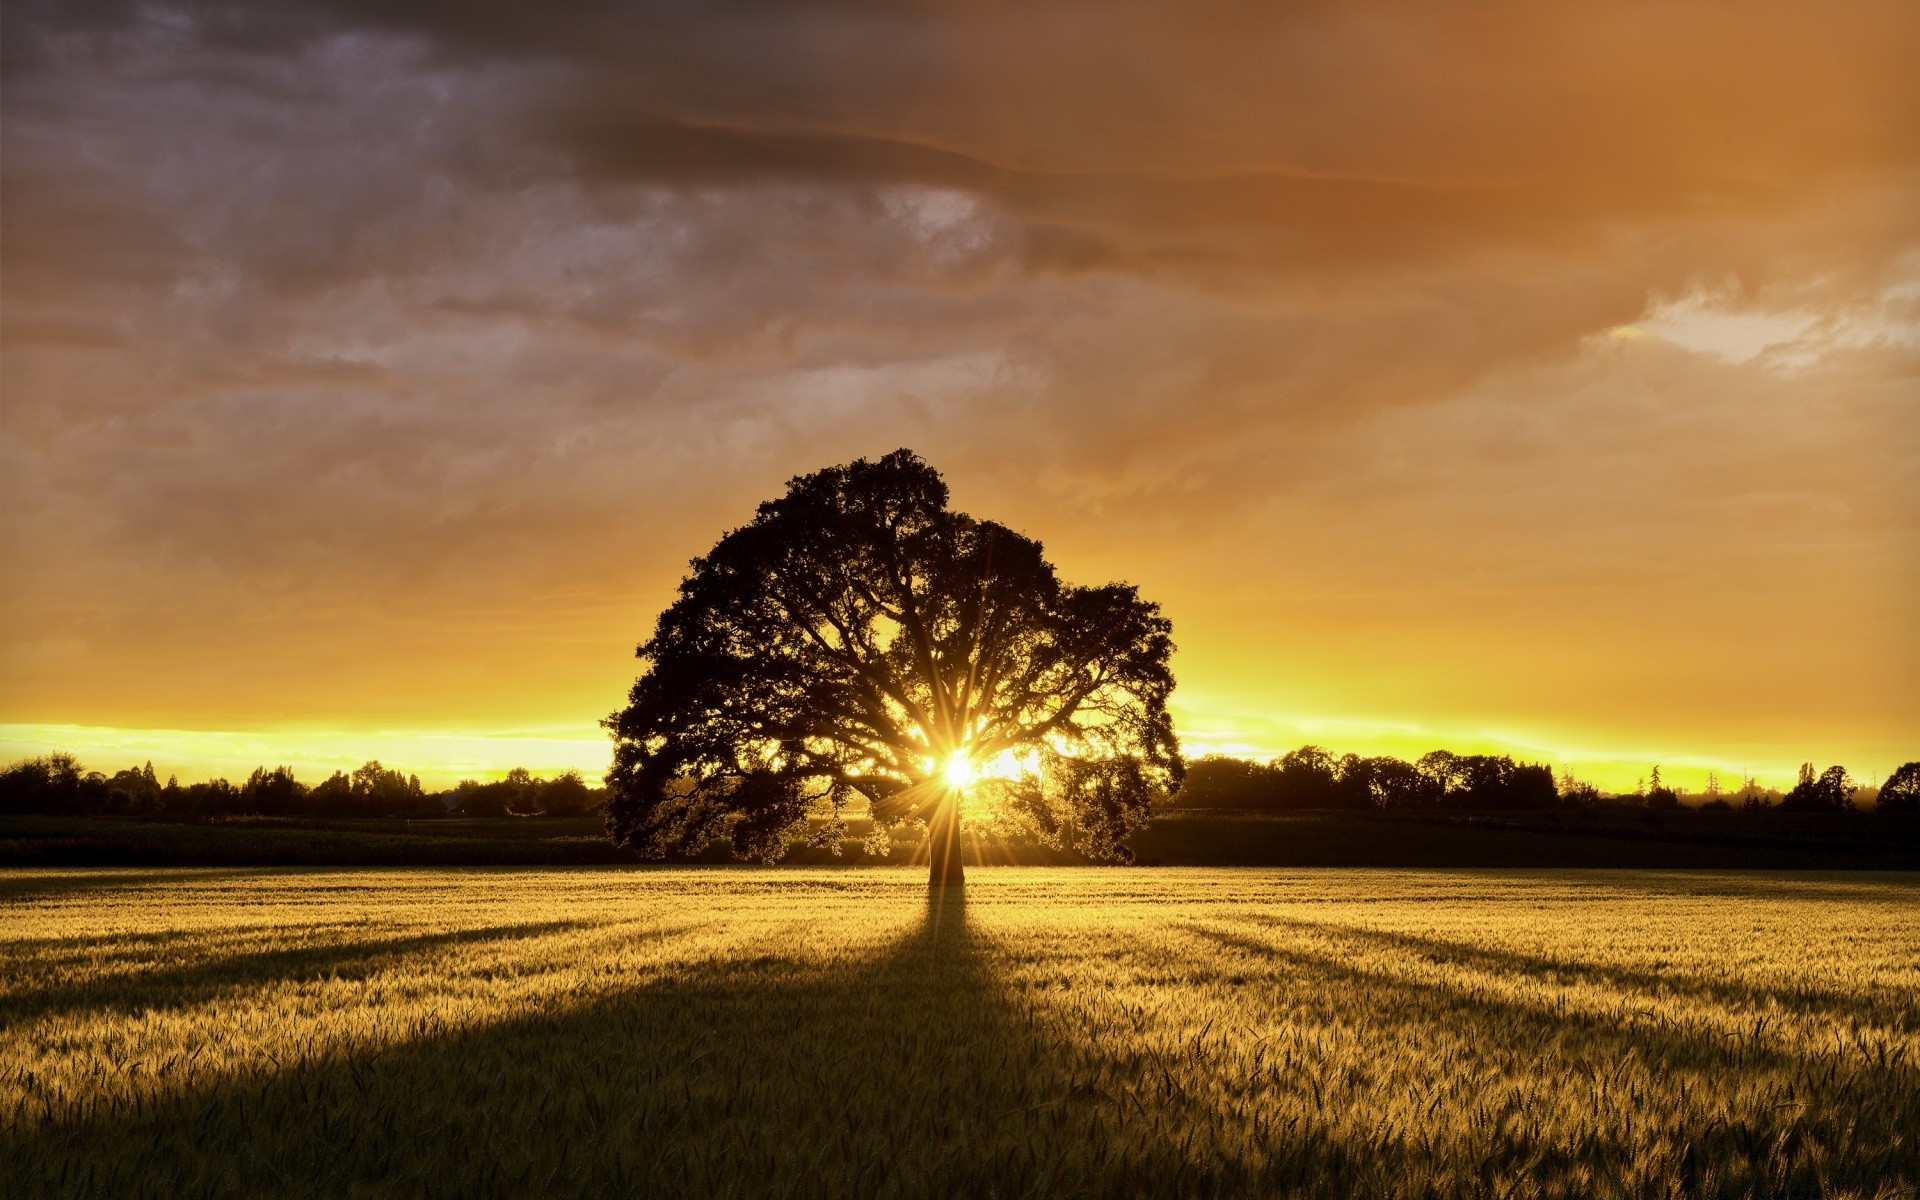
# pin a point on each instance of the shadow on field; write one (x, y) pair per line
(199, 982)
(52, 885)
(909, 1072)
(914, 1070)
(1854, 1110)
(1859, 1007)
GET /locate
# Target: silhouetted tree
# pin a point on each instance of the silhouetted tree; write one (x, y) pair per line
(1478, 781)
(1530, 785)
(1306, 778)
(332, 796)
(210, 798)
(566, 795)
(1659, 795)
(1578, 792)
(1221, 781)
(273, 793)
(513, 794)
(54, 783)
(137, 792)
(1381, 782)
(1832, 791)
(1353, 782)
(372, 790)
(859, 637)
(1441, 770)
(1399, 784)
(1901, 791)
(523, 794)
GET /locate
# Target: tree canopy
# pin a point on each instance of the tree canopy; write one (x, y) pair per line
(1901, 791)
(858, 639)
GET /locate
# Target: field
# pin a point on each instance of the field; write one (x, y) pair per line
(1056, 1032)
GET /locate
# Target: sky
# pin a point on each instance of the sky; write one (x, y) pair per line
(1532, 379)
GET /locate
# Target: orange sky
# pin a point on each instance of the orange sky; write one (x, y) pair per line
(1541, 379)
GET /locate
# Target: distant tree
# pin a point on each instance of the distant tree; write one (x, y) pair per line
(1353, 782)
(1832, 791)
(1487, 781)
(1752, 796)
(1531, 786)
(332, 796)
(1442, 771)
(1396, 783)
(376, 790)
(1901, 791)
(54, 784)
(860, 638)
(566, 795)
(137, 792)
(1306, 778)
(1578, 792)
(272, 793)
(1222, 781)
(1659, 795)
(518, 794)
(212, 798)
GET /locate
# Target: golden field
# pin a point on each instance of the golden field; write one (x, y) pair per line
(1054, 1032)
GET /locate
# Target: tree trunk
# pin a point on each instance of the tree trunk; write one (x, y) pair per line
(943, 845)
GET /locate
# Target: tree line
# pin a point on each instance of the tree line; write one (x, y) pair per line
(57, 784)
(1311, 777)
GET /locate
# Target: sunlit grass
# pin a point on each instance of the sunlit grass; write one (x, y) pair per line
(1058, 1032)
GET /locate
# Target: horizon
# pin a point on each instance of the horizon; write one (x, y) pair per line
(193, 755)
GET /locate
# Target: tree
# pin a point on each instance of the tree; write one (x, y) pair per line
(1306, 778)
(858, 638)
(1219, 781)
(55, 783)
(1901, 791)
(273, 793)
(1382, 782)
(1354, 786)
(136, 791)
(1577, 792)
(1442, 772)
(1660, 795)
(1832, 791)
(517, 795)
(1396, 783)
(566, 795)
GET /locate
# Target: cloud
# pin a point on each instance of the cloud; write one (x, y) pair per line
(422, 343)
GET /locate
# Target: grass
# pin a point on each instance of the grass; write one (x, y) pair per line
(1056, 1032)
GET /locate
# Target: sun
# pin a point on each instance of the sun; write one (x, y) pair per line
(960, 771)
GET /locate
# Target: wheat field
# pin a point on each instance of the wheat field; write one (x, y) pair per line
(1053, 1032)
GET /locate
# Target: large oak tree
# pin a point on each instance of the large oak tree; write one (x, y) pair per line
(859, 639)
